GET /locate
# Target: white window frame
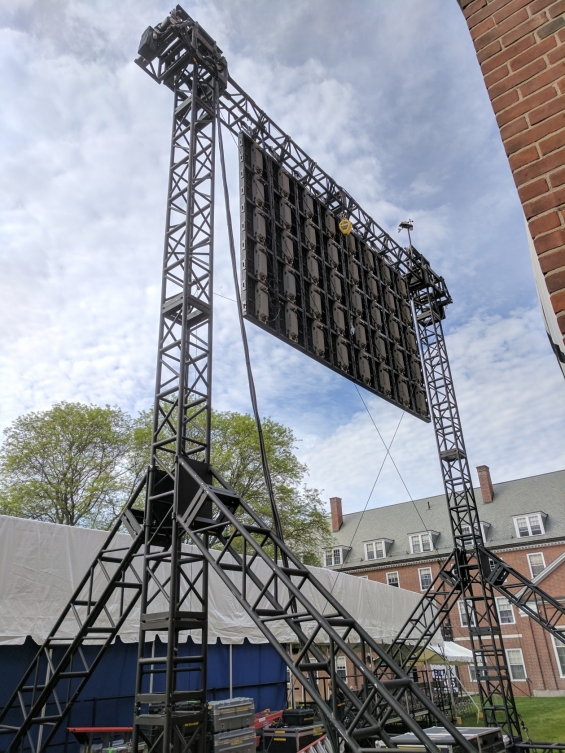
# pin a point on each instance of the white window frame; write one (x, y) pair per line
(381, 543)
(500, 599)
(463, 614)
(394, 585)
(559, 646)
(426, 571)
(466, 529)
(341, 666)
(535, 554)
(419, 537)
(528, 518)
(510, 665)
(331, 553)
(472, 668)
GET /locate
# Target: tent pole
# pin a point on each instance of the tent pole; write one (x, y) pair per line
(231, 672)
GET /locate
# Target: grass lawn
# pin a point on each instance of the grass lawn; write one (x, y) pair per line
(544, 718)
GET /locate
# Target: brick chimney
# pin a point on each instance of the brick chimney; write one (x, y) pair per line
(337, 514)
(486, 483)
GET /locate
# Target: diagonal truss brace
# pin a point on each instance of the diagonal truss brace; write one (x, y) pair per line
(246, 556)
(94, 615)
(526, 595)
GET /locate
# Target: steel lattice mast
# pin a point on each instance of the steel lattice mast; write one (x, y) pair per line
(182, 408)
(471, 569)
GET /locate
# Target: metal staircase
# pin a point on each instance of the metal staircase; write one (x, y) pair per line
(228, 537)
(94, 615)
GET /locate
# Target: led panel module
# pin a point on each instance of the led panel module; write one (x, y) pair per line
(326, 293)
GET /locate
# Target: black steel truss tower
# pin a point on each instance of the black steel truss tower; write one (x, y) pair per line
(181, 422)
(192, 526)
(465, 575)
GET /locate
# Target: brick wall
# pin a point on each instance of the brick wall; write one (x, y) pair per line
(521, 51)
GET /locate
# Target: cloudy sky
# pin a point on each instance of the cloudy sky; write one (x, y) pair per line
(389, 99)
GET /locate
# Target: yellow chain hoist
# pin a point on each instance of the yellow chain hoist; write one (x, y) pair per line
(345, 226)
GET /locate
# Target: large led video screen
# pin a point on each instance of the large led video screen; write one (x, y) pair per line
(311, 280)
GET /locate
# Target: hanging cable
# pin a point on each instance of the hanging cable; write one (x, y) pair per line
(250, 380)
(340, 569)
(396, 467)
(387, 453)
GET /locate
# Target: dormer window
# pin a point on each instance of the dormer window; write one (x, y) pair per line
(466, 530)
(422, 542)
(335, 556)
(376, 550)
(532, 524)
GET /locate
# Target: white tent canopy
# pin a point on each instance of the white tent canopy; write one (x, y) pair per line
(448, 653)
(41, 564)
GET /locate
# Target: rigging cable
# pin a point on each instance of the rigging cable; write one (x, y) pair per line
(250, 380)
(387, 453)
(396, 467)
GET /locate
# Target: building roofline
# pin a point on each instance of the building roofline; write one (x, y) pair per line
(443, 554)
(442, 494)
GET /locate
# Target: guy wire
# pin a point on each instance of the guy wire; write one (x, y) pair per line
(394, 464)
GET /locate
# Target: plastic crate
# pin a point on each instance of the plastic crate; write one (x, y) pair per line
(290, 739)
(240, 740)
(235, 713)
(298, 717)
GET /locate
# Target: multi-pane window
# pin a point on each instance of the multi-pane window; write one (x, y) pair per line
(505, 611)
(529, 525)
(537, 563)
(466, 530)
(463, 613)
(516, 663)
(425, 574)
(333, 557)
(559, 647)
(473, 669)
(392, 579)
(341, 667)
(420, 542)
(531, 605)
(375, 550)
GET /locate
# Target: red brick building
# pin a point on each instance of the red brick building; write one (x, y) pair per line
(520, 48)
(523, 521)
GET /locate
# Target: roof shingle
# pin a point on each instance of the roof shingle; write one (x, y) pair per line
(544, 493)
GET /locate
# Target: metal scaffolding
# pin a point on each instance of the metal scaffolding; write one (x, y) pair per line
(192, 522)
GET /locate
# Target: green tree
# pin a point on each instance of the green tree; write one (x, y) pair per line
(235, 455)
(77, 464)
(71, 464)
